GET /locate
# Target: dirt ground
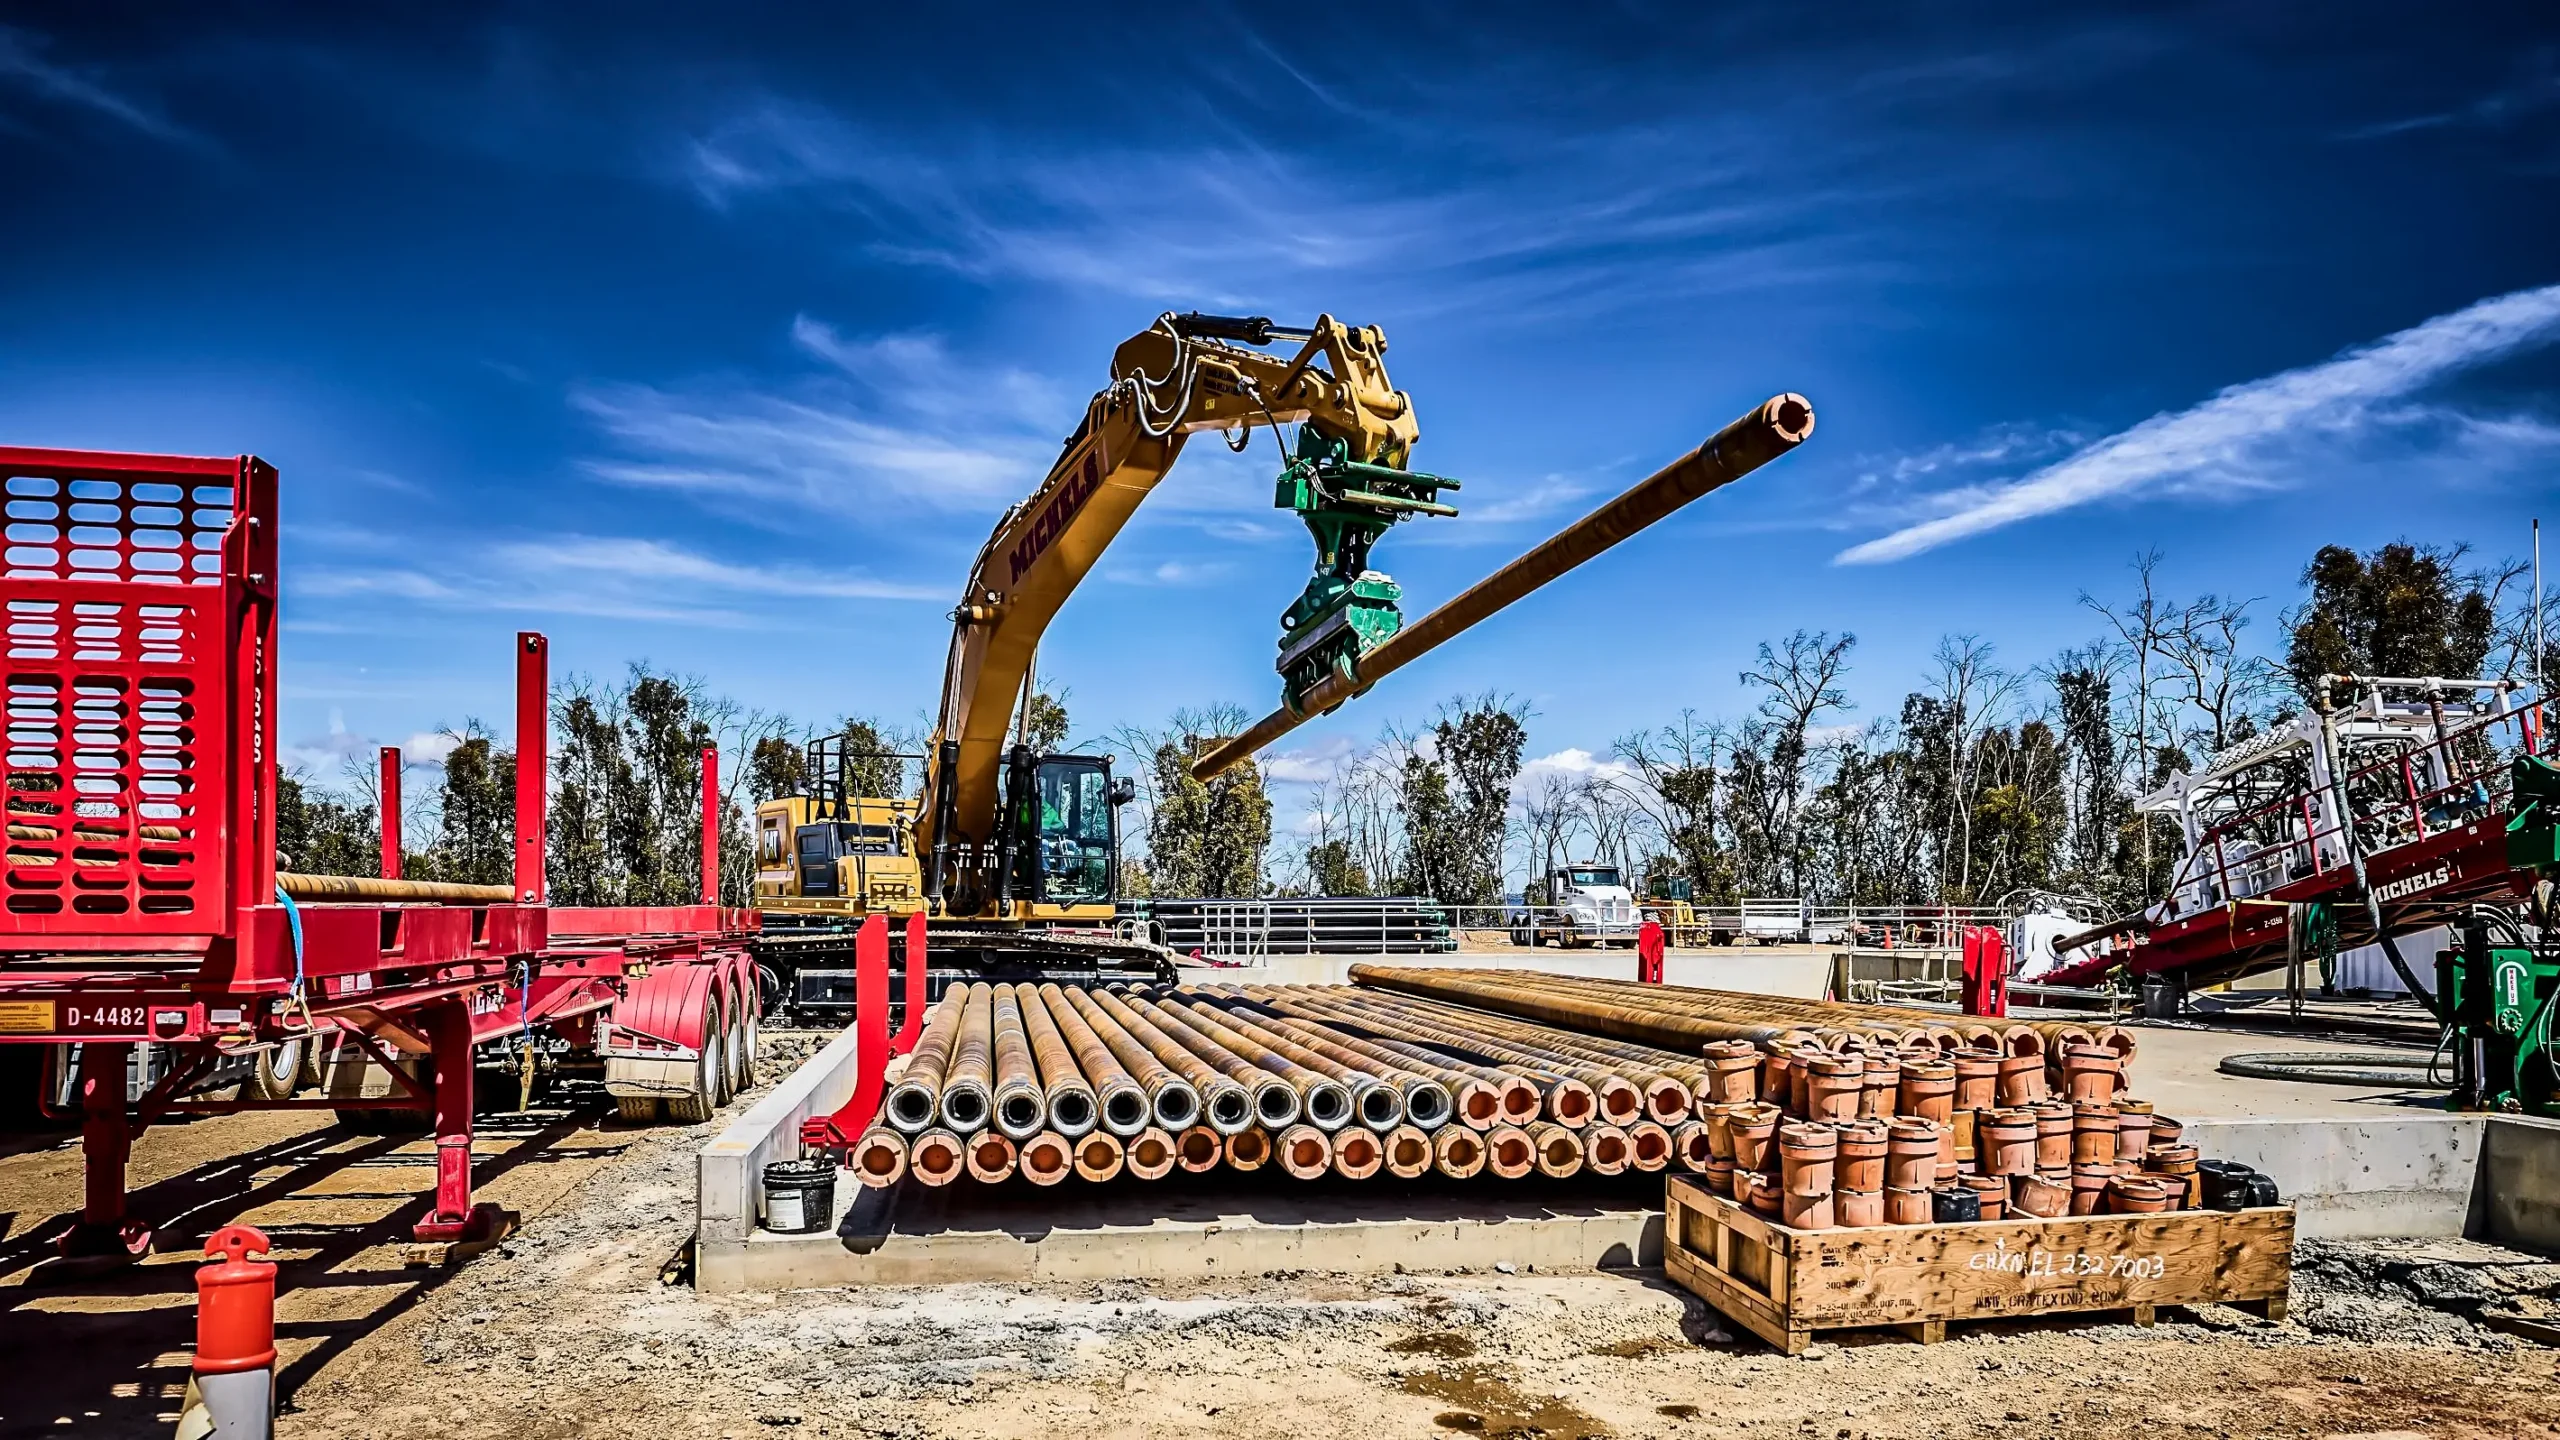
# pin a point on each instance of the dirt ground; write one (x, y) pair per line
(576, 1328)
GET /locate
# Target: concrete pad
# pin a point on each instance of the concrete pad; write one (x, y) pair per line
(2351, 1178)
(1200, 1227)
(2520, 1183)
(2175, 1071)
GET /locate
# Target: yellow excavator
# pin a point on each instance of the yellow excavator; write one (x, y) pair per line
(1011, 854)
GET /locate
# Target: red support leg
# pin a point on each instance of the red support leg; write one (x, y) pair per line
(106, 1143)
(454, 1216)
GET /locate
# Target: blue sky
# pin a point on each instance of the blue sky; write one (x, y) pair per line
(719, 339)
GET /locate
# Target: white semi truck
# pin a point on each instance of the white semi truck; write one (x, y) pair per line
(1587, 904)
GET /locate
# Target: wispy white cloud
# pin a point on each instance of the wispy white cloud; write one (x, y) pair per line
(896, 423)
(1176, 574)
(604, 576)
(2222, 447)
(24, 67)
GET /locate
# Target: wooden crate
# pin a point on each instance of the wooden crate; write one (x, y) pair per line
(1783, 1285)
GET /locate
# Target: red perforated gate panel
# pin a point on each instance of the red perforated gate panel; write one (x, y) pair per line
(139, 694)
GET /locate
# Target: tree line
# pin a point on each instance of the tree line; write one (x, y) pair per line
(1983, 782)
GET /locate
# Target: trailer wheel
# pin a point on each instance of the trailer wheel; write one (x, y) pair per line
(742, 1046)
(636, 1109)
(279, 1068)
(710, 1074)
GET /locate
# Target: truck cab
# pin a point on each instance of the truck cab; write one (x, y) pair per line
(1587, 904)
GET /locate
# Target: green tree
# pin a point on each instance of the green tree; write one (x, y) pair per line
(776, 767)
(476, 813)
(322, 833)
(1205, 840)
(2403, 610)
(1332, 869)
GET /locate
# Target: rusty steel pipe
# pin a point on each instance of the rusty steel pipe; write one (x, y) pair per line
(1304, 1152)
(1607, 1150)
(1099, 1156)
(1198, 1149)
(937, 1157)
(1151, 1153)
(1668, 1083)
(1669, 1029)
(366, 887)
(1358, 1152)
(1458, 1152)
(1434, 1087)
(1575, 1094)
(1021, 1108)
(1173, 1101)
(968, 1089)
(1065, 1097)
(1897, 1024)
(1408, 1152)
(1248, 1150)
(1224, 1101)
(1772, 428)
(879, 1158)
(1276, 1103)
(1422, 1099)
(1509, 1153)
(1046, 1158)
(1374, 1102)
(917, 1097)
(1520, 1098)
(1558, 1150)
(992, 1157)
(1124, 1107)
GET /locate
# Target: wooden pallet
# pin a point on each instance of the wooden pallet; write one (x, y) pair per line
(1783, 1285)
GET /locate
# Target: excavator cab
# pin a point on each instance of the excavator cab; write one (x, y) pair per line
(1062, 831)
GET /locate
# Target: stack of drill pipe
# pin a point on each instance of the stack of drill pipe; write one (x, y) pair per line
(1226, 1104)
(2053, 1032)
(1323, 1101)
(1275, 1102)
(1172, 1100)
(1824, 1020)
(1674, 1084)
(1123, 1109)
(1893, 1022)
(1638, 1012)
(1426, 1098)
(1486, 1096)
(1072, 1107)
(1375, 1101)
(912, 1101)
(1574, 1094)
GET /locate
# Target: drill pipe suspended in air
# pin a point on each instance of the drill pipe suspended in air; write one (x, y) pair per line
(1772, 429)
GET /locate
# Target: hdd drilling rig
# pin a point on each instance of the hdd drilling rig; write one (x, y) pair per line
(1009, 855)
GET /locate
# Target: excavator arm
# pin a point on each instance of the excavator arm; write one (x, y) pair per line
(1181, 375)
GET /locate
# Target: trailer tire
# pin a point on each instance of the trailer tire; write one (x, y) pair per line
(636, 1109)
(710, 1077)
(742, 1043)
(278, 1070)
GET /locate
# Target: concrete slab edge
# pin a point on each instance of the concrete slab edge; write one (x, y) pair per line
(730, 1170)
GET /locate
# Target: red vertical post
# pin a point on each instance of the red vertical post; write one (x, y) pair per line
(533, 761)
(912, 1024)
(870, 1020)
(710, 825)
(390, 812)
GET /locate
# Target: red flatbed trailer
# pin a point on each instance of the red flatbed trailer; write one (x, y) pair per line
(142, 903)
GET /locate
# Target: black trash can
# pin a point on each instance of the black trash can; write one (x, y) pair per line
(799, 1196)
